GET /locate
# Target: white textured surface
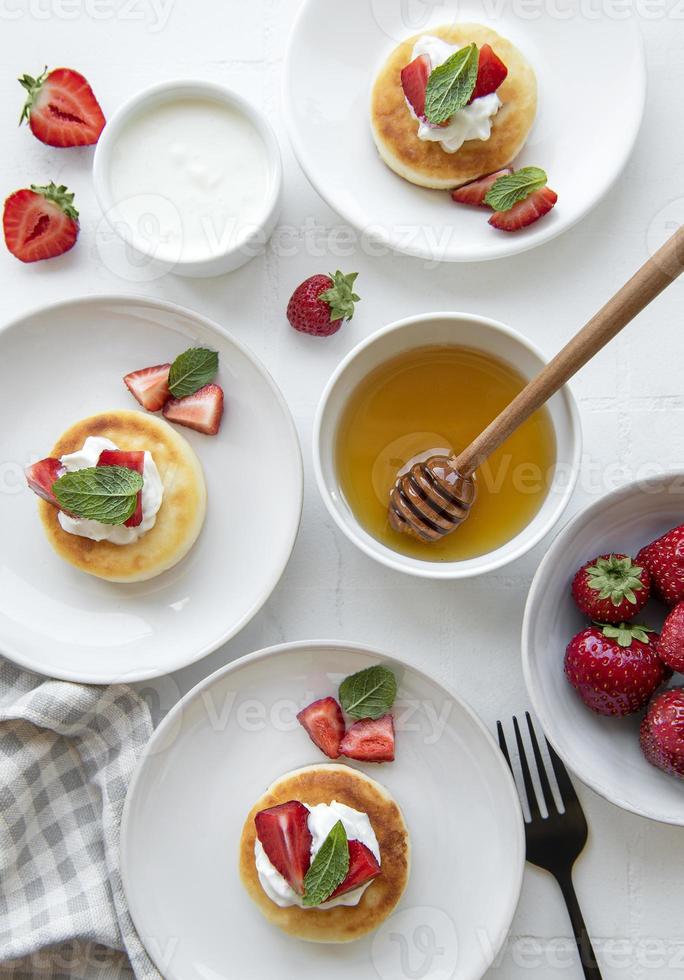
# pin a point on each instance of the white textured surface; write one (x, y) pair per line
(629, 879)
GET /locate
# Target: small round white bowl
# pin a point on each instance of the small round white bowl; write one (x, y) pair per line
(458, 329)
(603, 752)
(248, 241)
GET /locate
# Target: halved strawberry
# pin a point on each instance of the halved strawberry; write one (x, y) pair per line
(414, 79)
(324, 722)
(491, 72)
(474, 192)
(525, 212)
(133, 460)
(363, 867)
(201, 411)
(286, 839)
(61, 108)
(40, 223)
(41, 477)
(150, 386)
(370, 740)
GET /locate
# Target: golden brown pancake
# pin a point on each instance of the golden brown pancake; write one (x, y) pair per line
(323, 784)
(179, 519)
(427, 164)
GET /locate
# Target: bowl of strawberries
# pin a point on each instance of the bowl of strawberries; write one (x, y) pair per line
(603, 646)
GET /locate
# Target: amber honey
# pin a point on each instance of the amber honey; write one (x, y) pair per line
(440, 398)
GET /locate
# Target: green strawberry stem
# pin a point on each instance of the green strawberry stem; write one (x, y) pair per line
(625, 633)
(59, 195)
(615, 579)
(341, 296)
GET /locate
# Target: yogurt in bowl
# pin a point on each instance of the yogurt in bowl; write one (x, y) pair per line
(189, 175)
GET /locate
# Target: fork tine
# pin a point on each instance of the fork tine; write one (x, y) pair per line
(567, 790)
(527, 777)
(547, 792)
(502, 744)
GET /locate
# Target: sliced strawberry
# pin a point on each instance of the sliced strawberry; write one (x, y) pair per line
(201, 411)
(41, 477)
(40, 223)
(491, 72)
(525, 212)
(61, 108)
(286, 839)
(370, 740)
(150, 386)
(414, 79)
(363, 867)
(133, 461)
(324, 722)
(475, 191)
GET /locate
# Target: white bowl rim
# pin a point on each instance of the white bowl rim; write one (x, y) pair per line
(211, 90)
(593, 197)
(487, 562)
(178, 310)
(612, 497)
(177, 710)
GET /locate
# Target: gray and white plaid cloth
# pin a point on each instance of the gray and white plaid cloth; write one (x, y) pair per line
(67, 752)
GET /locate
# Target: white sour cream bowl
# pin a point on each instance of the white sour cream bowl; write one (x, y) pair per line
(189, 175)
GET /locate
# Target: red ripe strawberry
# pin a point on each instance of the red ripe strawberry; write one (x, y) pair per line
(40, 223)
(662, 732)
(61, 108)
(363, 867)
(611, 588)
(132, 461)
(286, 839)
(614, 669)
(664, 558)
(42, 475)
(525, 212)
(370, 740)
(671, 645)
(150, 386)
(320, 304)
(491, 72)
(324, 722)
(414, 79)
(475, 191)
(201, 411)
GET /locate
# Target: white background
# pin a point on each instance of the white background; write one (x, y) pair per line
(630, 877)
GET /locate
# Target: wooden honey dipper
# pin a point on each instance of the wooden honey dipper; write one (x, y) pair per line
(433, 497)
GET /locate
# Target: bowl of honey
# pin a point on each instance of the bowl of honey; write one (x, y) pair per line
(429, 384)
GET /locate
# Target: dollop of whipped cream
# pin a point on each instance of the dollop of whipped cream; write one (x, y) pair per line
(472, 122)
(152, 493)
(322, 819)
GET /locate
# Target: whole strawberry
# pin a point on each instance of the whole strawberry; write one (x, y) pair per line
(320, 304)
(662, 732)
(611, 588)
(614, 669)
(664, 558)
(671, 645)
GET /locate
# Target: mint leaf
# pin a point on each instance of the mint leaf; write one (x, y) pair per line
(511, 188)
(450, 85)
(370, 693)
(192, 370)
(99, 493)
(329, 868)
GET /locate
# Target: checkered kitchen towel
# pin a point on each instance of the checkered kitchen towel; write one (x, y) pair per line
(67, 752)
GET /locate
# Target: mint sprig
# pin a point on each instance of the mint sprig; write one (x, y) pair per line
(99, 493)
(450, 85)
(329, 868)
(370, 693)
(511, 188)
(192, 370)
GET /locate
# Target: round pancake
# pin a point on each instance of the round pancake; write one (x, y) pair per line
(179, 519)
(322, 784)
(427, 164)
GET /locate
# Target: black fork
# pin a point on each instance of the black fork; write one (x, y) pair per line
(554, 842)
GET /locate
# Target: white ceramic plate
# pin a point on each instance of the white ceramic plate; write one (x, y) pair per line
(592, 84)
(65, 362)
(218, 750)
(604, 752)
